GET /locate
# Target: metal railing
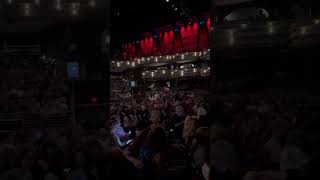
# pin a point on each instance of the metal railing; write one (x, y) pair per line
(15, 121)
(154, 61)
(246, 34)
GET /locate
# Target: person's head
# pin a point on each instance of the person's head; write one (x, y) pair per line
(202, 136)
(179, 111)
(217, 132)
(157, 139)
(114, 120)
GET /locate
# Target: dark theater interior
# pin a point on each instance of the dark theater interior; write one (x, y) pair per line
(159, 89)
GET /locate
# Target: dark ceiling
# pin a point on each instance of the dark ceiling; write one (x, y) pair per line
(130, 19)
(28, 16)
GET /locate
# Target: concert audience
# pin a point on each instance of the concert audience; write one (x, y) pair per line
(255, 137)
(34, 96)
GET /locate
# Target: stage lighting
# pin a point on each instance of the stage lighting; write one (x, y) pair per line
(92, 3)
(58, 5)
(303, 30)
(94, 99)
(244, 26)
(270, 30)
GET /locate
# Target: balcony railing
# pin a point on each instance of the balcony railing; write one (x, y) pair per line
(15, 121)
(248, 34)
(152, 61)
(174, 74)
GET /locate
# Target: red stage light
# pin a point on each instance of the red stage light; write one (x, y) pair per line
(94, 99)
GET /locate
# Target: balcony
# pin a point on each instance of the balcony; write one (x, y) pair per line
(175, 74)
(154, 61)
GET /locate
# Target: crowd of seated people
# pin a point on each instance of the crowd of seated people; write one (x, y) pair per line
(76, 153)
(142, 130)
(260, 137)
(34, 96)
(120, 88)
(61, 154)
(26, 67)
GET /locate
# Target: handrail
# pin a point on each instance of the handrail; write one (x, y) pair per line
(21, 120)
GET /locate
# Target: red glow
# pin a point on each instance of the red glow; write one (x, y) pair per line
(208, 24)
(195, 27)
(189, 38)
(94, 99)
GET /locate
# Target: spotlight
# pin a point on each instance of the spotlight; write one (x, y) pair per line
(244, 26)
(271, 30)
(74, 12)
(231, 41)
(58, 6)
(92, 3)
(303, 30)
(167, 0)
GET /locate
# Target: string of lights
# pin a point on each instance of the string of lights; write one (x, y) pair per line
(72, 8)
(177, 73)
(138, 62)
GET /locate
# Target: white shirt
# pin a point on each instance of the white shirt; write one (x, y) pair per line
(118, 133)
